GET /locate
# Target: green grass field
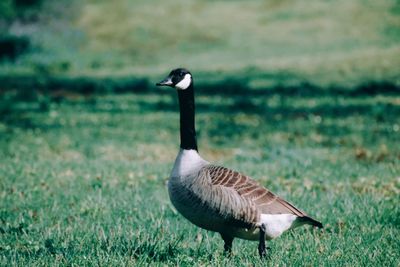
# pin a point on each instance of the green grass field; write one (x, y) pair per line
(83, 180)
(303, 96)
(278, 42)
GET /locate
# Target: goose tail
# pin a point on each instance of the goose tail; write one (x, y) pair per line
(311, 221)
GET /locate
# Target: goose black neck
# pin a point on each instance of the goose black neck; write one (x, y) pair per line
(186, 106)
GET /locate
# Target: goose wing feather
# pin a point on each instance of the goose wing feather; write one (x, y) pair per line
(240, 198)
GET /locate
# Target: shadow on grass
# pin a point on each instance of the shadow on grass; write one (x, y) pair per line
(16, 104)
(19, 117)
(228, 86)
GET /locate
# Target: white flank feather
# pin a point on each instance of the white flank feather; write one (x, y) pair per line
(276, 224)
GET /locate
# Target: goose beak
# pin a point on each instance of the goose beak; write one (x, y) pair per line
(166, 82)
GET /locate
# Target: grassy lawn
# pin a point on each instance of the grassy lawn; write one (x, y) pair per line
(82, 181)
(326, 43)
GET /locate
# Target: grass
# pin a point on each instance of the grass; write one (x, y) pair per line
(312, 40)
(83, 180)
(326, 43)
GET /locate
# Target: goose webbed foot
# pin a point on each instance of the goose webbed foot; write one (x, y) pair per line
(262, 249)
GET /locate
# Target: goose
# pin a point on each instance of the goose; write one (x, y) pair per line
(219, 199)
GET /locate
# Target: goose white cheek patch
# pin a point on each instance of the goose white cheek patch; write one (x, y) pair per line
(184, 84)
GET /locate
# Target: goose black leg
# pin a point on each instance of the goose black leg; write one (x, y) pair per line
(227, 244)
(261, 246)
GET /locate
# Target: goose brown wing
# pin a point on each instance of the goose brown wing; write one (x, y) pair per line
(263, 200)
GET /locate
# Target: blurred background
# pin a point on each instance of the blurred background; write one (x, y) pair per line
(258, 43)
(304, 96)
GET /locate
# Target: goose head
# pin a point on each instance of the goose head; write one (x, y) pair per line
(179, 78)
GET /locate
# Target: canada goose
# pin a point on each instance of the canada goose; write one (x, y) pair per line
(219, 199)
